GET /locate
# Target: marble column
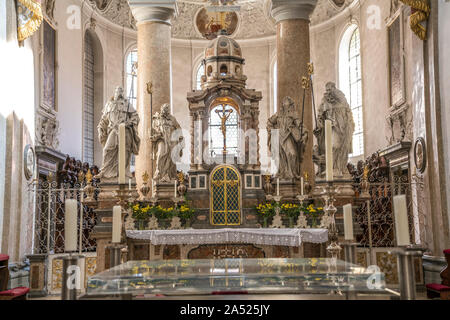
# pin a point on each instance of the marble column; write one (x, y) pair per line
(293, 55)
(154, 65)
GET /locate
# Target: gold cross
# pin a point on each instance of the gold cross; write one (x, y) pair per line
(226, 113)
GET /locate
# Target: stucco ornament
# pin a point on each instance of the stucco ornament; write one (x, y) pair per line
(117, 111)
(335, 107)
(165, 144)
(292, 139)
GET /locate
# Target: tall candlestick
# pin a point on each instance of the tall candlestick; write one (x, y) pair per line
(348, 222)
(328, 150)
(122, 157)
(70, 225)
(117, 224)
(302, 186)
(278, 187)
(175, 189)
(401, 220)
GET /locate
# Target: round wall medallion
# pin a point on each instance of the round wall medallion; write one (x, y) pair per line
(420, 155)
(29, 161)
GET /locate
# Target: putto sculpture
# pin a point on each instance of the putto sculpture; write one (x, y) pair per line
(335, 107)
(292, 139)
(117, 111)
(165, 143)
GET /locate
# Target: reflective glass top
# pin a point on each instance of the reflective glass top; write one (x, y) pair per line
(253, 276)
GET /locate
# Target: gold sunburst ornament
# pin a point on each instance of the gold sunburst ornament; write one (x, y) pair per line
(29, 18)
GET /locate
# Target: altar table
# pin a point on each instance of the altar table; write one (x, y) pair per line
(225, 243)
(264, 236)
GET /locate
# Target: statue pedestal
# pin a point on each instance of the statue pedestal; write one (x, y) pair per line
(102, 233)
(289, 189)
(165, 191)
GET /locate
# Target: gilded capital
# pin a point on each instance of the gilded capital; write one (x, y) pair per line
(292, 9)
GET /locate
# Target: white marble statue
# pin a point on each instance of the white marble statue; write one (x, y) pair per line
(117, 111)
(335, 107)
(292, 139)
(164, 125)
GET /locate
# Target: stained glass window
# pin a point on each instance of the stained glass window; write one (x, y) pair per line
(355, 94)
(215, 131)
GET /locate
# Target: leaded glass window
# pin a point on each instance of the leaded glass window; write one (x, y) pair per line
(355, 94)
(88, 110)
(215, 131)
(198, 78)
(132, 77)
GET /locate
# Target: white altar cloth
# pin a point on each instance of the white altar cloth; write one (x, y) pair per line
(265, 236)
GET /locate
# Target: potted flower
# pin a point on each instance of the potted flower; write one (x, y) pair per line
(291, 211)
(265, 211)
(164, 215)
(186, 213)
(140, 215)
(313, 212)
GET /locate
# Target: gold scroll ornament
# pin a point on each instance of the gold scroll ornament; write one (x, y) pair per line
(421, 14)
(29, 18)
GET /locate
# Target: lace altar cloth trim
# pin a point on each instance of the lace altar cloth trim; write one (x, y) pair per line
(276, 237)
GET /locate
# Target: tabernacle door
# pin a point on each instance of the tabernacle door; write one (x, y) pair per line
(225, 197)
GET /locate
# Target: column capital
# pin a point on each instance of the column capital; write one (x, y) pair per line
(153, 10)
(292, 9)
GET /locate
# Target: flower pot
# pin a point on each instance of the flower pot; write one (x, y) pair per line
(141, 224)
(291, 222)
(265, 222)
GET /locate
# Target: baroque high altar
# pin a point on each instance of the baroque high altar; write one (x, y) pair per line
(225, 181)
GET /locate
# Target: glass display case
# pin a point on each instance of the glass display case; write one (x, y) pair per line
(246, 276)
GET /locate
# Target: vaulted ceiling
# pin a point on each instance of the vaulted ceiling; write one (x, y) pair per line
(253, 18)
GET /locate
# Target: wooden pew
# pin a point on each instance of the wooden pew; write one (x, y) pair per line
(19, 293)
(441, 290)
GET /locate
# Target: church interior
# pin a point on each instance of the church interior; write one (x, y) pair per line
(273, 149)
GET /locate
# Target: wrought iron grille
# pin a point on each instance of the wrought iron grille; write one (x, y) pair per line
(49, 218)
(375, 216)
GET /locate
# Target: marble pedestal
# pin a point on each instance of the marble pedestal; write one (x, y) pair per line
(102, 233)
(289, 190)
(165, 192)
(38, 275)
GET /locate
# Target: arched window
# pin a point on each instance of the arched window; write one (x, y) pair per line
(132, 77)
(350, 82)
(215, 130)
(198, 76)
(88, 109)
(275, 87)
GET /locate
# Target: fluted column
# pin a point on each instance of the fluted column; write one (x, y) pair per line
(293, 55)
(154, 59)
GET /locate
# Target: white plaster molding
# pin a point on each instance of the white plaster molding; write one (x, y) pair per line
(245, 43)
(350, 12)
(153, 10)
(292, 9)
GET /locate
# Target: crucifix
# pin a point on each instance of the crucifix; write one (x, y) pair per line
(224, 115)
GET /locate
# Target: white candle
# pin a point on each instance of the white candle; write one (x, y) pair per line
(278, 187)
(348, 222)
(117, 224)
(70, 225)
(175, 189)
(401, 220)
(301, 183)
(129, 184)
(122, 157)
(328, 150)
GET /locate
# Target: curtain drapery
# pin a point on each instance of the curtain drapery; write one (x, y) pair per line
(419, 17)
(29, 18)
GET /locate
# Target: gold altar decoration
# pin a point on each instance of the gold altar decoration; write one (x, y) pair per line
(420, 14)
(29, 18)
(225, 197)
(305, 83)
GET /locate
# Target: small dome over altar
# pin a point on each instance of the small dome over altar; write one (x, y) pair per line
(223, 62)
(223, 46)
